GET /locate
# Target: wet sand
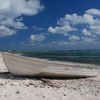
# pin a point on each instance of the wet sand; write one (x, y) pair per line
(25, 88)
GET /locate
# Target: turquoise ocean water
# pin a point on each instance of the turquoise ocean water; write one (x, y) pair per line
(82, 56)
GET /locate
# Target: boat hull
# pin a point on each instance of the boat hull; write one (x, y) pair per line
(24, 66)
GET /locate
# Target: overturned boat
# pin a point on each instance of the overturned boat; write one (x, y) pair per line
(25, 66)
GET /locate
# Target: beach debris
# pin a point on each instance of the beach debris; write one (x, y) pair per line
(17, 92)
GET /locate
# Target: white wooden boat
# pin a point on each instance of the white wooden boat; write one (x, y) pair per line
(25, 66)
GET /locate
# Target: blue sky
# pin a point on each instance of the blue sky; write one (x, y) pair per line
(49, 24)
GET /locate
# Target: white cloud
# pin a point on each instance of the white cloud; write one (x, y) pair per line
(73, 19)
(89, 18)
(86, 39)
(15, 8)
(67, 24)
(5, 31)
(61, 43)
(37, 28)
(61, 29)
(93, 11)
(74, 38)
(86, 32)
(87, 24)
(19, 25)
(36, 38)
(11, 10)
(51, 29)
(95, 28)
(9, 22)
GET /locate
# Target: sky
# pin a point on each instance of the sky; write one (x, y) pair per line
(49, 24)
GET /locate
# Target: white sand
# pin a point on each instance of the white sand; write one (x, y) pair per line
(14, 88)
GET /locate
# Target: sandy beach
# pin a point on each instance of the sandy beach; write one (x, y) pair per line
(25, 88)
